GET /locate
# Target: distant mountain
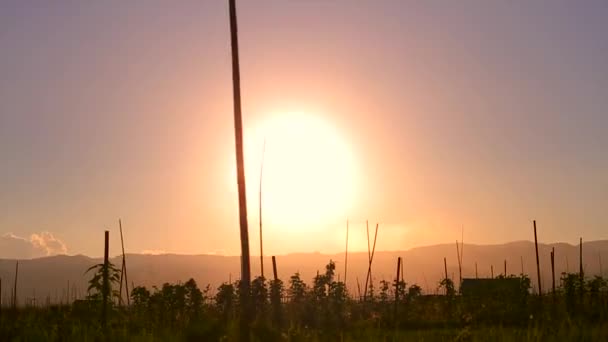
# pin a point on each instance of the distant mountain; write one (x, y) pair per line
(47, 278)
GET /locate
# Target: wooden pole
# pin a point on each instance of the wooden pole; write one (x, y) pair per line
(15, 290)
(505, 268)
(553, 270)
(106, 281)
(260, 214)
(124, 266)
(397, 286)
(371, 259)
(240, 165)
(540, 291)
(274, 268)
(580, 272)
(346, 254)
(445, 267)
(492, 271)
(459, 264)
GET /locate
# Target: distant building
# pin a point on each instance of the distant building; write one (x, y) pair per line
(490, 287)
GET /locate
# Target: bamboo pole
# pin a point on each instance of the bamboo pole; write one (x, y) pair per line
(15, 289)
(274, 268)
(260, 214)
(459, 265)
(397, 286)
(371, 259)
(445, 267)
(553, 270)
(106, 281)
(240, 164)
(540, 291)
(124, 267)
(505, 268)
(346, 254)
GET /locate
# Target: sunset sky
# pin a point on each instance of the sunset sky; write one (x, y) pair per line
(424, 116)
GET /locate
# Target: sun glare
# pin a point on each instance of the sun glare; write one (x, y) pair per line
(308, 174)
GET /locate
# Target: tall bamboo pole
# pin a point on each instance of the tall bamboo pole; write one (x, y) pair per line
(260, 214)
(274, 268)
(346, 254)
(240, 165)
(505, 268)
(540, 291)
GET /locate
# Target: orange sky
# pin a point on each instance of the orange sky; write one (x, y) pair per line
(478, 116)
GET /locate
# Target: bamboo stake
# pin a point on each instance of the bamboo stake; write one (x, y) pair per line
(540, 292)
(397, 286)
(106, 281)
(274, 268)
(260, 206)
(124, 266)
(553, 270)
(459, 265)
(346, 254)
(445, 266)
(15, 290)
(240, 164)
(371, 259)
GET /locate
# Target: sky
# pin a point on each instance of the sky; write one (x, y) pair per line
(430, 117)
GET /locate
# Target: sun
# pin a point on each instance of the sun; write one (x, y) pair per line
(308, 175)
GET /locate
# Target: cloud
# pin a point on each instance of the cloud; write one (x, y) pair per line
(37, 245)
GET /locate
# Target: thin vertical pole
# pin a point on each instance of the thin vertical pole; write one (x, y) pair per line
(492, 271)
(476, 275)
(445, 267)
(371, 259)
(274, 268)
(240, 165)
(397, 286)
(346, 254)
(124, 266)
(599, 256)
(581, 260)
(15, 290)
(459, 264)
(505, 268)
(521, 259)
(106, 281)
(553, 270)
(540, 291)
(260, 214)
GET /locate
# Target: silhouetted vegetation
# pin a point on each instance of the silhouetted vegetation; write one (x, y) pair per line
(324, 310)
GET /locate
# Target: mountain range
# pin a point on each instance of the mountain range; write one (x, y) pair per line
(47, 279)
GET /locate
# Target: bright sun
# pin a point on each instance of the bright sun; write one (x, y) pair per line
(308, 175)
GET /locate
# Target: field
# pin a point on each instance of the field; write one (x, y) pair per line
(320, 311)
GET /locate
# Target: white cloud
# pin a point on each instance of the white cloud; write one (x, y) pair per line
(37, 245)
